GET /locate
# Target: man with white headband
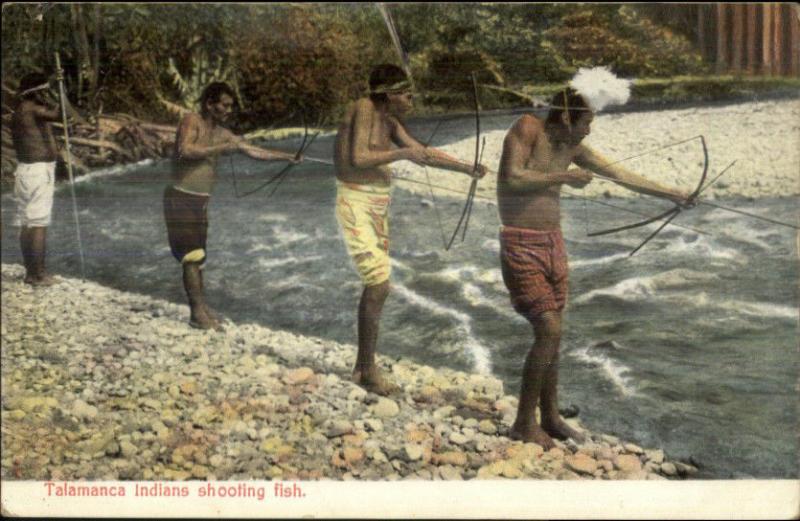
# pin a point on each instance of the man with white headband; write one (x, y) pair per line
(34, 177)
(371, 137)
(533, 168)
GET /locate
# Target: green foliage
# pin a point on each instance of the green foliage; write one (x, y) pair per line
(513, 36)
(536, 43)
(300, 60)
(144, 66)
(623, 40)
(315, 58)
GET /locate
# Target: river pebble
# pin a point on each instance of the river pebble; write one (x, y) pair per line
(249, 403)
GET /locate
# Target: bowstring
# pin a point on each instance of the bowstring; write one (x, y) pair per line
(662, 216)
(430, 186)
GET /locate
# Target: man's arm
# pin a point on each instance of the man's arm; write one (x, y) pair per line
(266, 154)
(517, 147)
(433, 156)
(263, 154)
(593, 161)
(44, 113)
(362, 154)
(188, 134)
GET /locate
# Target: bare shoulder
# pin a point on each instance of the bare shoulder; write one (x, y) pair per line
(359, 110)
(527, 128)
(25, 106)
(191, 126)
(363, 105)
(28, 108)
(191, 119)
(530, 123)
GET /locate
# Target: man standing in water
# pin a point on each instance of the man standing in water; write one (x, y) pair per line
(364, 148)
(200, 140)
(34, 177)
(533, 167)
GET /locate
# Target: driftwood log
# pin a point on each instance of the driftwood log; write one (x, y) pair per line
(97, 140)
(102, 140)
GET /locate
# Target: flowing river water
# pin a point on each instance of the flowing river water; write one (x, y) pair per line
(691, 345)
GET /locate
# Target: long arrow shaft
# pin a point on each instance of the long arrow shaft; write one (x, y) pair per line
(398, 46)
(68, 150)
(727, 209)
(318, 160)
(741, 212)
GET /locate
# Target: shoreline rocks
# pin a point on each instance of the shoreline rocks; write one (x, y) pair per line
(105, 385)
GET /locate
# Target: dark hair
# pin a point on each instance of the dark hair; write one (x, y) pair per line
(567, 99)
(29, 81)
(213, 92)
(384, 75)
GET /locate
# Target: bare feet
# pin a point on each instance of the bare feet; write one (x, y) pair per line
(559, 430)
(374, 382)
(202, 320)
(533, 434)
(40, 281)
(213, 314)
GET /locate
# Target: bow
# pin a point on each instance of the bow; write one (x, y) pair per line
(467, 211)
(692, 200)
(430, 185)
(673, 212)
(281, 175)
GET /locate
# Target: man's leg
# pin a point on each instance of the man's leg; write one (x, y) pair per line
(25, 238)
(366, 373)
(547, 331)
(37, 248)
(193, 283)
(552, 423)
(209, 311)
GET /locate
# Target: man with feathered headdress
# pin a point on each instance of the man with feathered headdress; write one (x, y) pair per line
(534, 166)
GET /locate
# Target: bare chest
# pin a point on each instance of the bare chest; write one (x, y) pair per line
(546, 157)
(210, 136)
(380, 133)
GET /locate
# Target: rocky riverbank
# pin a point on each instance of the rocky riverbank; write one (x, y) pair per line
(762, 137)
(104, 385)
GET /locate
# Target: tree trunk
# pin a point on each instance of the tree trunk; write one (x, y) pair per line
(794, 16)
(766, 39)
(722, 40)
(97, 34)
(82, 49)
(47, 37)
(777, 39)
(737, 38)
(752, 27)
(74, 15)
(702, 42)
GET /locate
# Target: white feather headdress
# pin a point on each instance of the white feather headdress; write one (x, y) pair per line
(600, 87)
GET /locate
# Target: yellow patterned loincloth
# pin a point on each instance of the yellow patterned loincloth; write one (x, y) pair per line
(363, 215)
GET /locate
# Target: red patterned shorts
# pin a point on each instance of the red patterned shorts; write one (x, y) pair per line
(534, 265)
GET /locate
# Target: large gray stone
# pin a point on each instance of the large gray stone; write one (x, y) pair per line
(385, 408)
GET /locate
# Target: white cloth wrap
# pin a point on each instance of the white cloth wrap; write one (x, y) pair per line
(34, 184)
